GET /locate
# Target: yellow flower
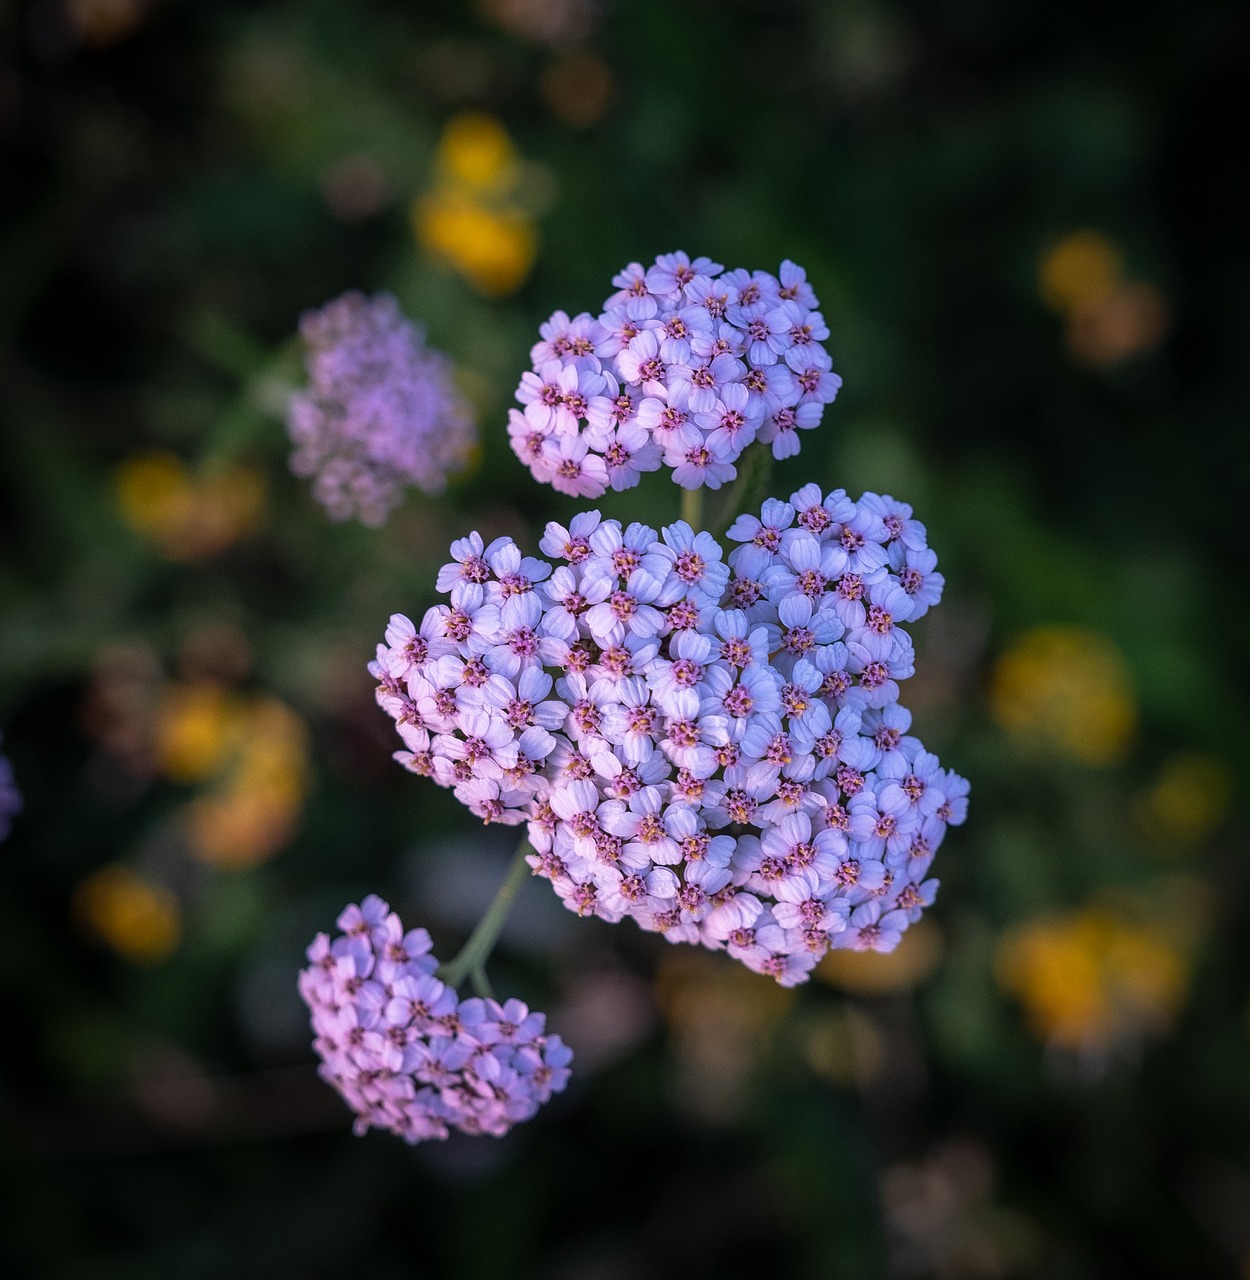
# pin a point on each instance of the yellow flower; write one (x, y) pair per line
(1080, 271)
(1188, 801)
(1066, 690)
(140, 921)
(475, 219)
(1095, 977)
(196, 726)
(251, 813)
(475, 151)
(189, 517)
(493, 249)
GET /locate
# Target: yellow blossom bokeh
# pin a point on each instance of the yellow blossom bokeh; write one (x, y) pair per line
(189, 517)
(1067, 691)
(197, 724)
(1187, 802)
(1079, 271)
(1096, 977)
(139, 920)
(1109, 317)
(250, 812)
(476, 152)
(494, 249)
(473, 218)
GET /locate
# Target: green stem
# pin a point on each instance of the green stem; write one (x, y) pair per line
(748, 488)
(249, 418)
(471, 961)
(692, 508)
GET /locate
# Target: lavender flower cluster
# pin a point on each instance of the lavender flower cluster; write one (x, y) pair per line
(405, 1053)
(381, 413)
(711, 746)
(10, 797)
(686, 365)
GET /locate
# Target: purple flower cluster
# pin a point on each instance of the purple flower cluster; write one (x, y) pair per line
(712, 746)
(381, 412)
(686, 365)
(10, 797)
(408, 1055)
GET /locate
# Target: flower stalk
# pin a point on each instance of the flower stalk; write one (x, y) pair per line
(470, 962)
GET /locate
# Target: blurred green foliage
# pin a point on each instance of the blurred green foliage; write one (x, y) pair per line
(181, 181)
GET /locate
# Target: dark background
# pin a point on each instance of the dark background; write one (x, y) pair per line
(1052, 1077)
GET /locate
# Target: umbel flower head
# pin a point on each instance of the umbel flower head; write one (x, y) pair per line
(685, 366)
(10, 797)
(381, 412)
(710, 745)
(405, 1052)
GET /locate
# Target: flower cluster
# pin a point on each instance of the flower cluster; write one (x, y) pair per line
(408, 1055)
(10, 797)
(712, 746)
(685, 366)
(381, 413)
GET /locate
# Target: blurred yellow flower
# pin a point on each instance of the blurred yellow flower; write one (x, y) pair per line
(1066, 690)
(1094, 978)
(493, 249)
(189, 517)
(473, 218)
(140, 921)
(1079, 271)
(476, 152)
(873, 973)
(251, 811)
(1109, 317)
(1188, 801)
(197, 724)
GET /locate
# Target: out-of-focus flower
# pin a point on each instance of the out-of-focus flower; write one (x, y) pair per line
(474, 217)
(1132, 320)
(139, 920)
(577, 87)
(1109, 317)
(189, 517)
(709, 744)
(408, 1055)
(10, 796)
(477, 154)
(381, 412)
(249, 813)
(1095, 978)
(493, 249)
(1080, 271)
(1065, 690)
(1187, 802)
(907, 966)
(196, 724)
